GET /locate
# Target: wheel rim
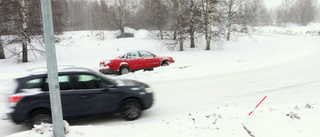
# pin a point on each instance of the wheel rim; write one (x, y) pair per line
(124, 71)
(131, 111)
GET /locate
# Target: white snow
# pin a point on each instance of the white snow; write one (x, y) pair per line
(204, 93)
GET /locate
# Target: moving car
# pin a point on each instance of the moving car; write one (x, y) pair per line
(83, 93)
(133, 61)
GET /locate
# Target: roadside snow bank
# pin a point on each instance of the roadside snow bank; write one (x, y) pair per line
(230, 120)
(311, 30)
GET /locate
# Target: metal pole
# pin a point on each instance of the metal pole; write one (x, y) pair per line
(54, 90)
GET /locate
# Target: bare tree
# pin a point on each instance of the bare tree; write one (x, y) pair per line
(251, 12)
(4, 21)
(122, 16)
(180, 24)
(233, 14)
(207, 8)
(23, 13)
(283, 12)
(156, 14)
(2, 55)
(117, 13)
(299, 11)
(305, 11)
(191, 20)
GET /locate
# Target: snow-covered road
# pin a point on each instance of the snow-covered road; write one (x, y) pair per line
(226, 84)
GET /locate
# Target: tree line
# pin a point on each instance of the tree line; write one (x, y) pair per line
(214, 19)
(296, 11)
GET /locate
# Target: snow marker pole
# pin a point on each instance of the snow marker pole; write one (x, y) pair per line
(257, 105)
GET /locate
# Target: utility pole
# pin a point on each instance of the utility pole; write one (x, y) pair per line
(54, 90)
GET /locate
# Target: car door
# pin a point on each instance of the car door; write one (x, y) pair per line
(85, 94)
(150, 59)
(134, 60)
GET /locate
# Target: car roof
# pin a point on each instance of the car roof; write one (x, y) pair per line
(60, 69)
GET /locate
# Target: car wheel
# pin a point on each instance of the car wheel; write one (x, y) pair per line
(40, 116)
(165, 63)
(130, 109)
(124, 70)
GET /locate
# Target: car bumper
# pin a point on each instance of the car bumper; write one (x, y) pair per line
(6, 116)
(15, 117)
(148, 101)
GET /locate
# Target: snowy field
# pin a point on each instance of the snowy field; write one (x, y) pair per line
(204, 93)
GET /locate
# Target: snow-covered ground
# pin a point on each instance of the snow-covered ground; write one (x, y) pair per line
(204, 93)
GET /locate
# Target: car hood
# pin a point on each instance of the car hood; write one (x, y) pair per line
(127, 82)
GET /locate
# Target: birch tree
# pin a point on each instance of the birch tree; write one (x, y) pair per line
(122, 16)
(233, 13)
(118, 14)
(191, 20)
(23, 12)
(208, 12)
(180, 24)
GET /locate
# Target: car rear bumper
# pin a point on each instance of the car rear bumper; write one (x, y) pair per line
(5, 116)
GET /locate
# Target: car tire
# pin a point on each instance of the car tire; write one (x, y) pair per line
(148, 69)
(165, 63)
(40, 116)
(130, 109)
(124, 70)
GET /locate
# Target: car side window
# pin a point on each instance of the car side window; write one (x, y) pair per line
(34, 83)
(79, 82)
(146, 54)
(133, 55)
(64, 83)
(86, 81)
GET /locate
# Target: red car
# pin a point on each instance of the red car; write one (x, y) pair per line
(133, 61)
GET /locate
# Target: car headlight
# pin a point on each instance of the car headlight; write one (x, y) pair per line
(149, 90)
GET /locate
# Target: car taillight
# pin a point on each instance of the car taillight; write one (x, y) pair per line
(15, 99)
(101, 65)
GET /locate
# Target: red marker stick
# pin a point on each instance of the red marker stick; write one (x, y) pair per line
(257, 105)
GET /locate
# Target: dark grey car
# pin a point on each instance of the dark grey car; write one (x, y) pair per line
(83, 93)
